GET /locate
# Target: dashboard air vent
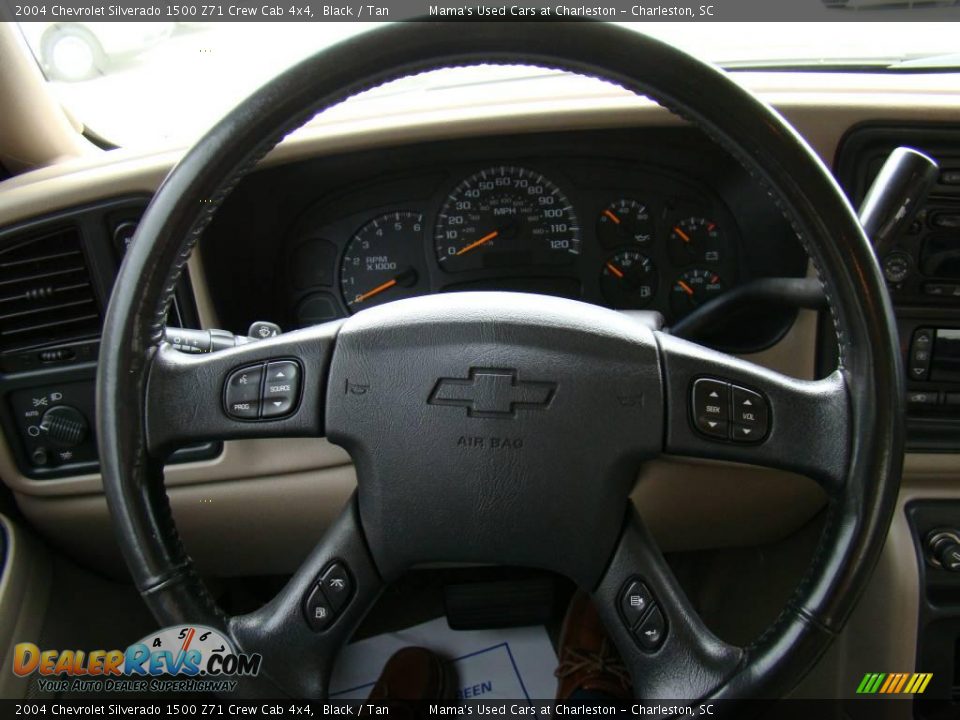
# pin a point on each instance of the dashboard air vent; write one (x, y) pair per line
(46, 297)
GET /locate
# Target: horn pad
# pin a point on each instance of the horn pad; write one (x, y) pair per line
(495, 428)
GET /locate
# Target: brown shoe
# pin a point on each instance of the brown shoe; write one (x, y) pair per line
(415, 673)
(588, 659)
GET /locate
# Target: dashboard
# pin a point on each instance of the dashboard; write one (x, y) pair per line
(628, 237)
(658, 220)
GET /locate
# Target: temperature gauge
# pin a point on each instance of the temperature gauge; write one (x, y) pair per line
(628, 280)
(693, 289)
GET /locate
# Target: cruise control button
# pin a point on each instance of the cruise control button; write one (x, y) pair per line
(317, 610)
(651, 631)
(337, 586)
(634, 602)
(281, 388)
(242, 395)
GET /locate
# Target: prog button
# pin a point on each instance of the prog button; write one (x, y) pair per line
(242, 395)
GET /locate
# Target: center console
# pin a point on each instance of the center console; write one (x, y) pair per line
(922, 270)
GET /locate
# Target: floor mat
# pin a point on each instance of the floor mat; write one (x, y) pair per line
(510, 664)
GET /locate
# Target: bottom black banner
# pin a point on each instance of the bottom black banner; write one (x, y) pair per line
(851, 709)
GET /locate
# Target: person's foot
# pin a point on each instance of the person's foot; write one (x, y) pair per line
(415, 673)
(589, 664)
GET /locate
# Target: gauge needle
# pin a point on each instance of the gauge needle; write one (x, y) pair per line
(376, 291)
(686, 288)
(477, 243)
(615, 270)
(610, 215)
(681, 233)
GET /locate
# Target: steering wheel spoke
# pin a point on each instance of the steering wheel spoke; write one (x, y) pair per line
(301, 630)
(270, 388)
(666, 647)
(725, 408)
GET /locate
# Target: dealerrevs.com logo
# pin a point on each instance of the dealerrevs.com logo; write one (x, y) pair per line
(181, 658)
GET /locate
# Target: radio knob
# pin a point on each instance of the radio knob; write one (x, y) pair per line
(64, 425)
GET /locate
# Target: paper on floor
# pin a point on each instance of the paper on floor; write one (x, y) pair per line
(512, 663)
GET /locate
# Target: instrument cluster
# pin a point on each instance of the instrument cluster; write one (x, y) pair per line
(626, 238)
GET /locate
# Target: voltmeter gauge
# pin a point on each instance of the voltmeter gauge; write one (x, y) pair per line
(696, 240)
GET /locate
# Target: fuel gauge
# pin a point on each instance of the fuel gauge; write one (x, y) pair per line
(693, 289)
(628, 280)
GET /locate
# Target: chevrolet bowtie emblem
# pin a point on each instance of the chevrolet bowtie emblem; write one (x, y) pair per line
(488, 392)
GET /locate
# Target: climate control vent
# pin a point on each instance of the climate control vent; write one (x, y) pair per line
(46, 297)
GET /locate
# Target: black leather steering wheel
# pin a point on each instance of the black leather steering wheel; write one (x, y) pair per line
(400, 385)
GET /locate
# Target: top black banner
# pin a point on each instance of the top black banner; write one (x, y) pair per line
(521, 10)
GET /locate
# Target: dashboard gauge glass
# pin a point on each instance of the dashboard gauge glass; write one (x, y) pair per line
(628, 280)
(692, 289)
(384, 261)
(625, 222)
(506, 216)
(696, 240)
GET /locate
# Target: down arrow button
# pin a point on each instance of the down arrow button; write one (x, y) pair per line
(281, 389)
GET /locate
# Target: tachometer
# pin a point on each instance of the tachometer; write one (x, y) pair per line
(383, 261)
(506, 216)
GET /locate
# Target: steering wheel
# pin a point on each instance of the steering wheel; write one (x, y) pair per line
(505, 428)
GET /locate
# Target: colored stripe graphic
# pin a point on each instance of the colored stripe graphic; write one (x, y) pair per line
(894, 683)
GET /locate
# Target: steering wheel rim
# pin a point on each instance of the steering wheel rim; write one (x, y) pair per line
(140, 378)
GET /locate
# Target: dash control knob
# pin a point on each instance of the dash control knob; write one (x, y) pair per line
(64, 425)
(943, 547)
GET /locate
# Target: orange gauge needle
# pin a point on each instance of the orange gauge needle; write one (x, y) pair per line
(686, 288)
(610, 215)
(477, 243)
(615, 270)
(681, 233)
(376, 291)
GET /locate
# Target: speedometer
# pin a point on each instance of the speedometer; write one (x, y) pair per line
(505, 217)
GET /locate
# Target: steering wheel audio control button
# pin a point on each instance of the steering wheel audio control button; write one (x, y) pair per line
(281, 388)
(634, 602)
(317, 610)
(337, 586)
(651, 631)
(241, 397)
(711, 407)
(750, 420)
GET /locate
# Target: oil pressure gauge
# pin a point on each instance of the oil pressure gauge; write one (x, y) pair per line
(625, 222)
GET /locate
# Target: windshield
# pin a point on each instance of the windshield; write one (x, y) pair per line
(157, 84)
